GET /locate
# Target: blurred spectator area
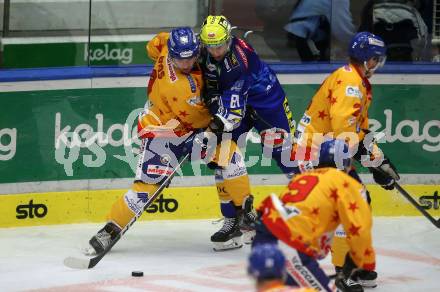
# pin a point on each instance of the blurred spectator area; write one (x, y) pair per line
(436, 23)
(267, 19)
(47, 33)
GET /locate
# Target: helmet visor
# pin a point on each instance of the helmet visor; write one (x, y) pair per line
(380, 61)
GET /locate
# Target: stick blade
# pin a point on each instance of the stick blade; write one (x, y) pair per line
(77, 263)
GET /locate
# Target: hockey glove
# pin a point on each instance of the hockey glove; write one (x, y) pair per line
(196, 141)
(212, 102)
(217, 126)
(385, 174)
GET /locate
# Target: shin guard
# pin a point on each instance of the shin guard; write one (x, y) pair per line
(124, 209)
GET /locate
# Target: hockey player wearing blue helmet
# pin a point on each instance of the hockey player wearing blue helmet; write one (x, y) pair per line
(170, 127)
(340, 108)
(267, 266)
(369, 50)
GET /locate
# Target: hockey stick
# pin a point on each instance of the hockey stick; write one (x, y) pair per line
(256, 117)
(418, 207)
(88, 263)
(412, 201)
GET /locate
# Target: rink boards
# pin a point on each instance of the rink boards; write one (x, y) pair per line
(43, 181)
(176, 203)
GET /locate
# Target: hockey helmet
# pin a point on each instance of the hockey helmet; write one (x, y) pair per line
(334, 153)
(365, 46)
(266, 261)
(183, 43)
(216, 31)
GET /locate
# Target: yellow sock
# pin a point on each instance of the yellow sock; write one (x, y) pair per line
(339, 250)
(238, 188)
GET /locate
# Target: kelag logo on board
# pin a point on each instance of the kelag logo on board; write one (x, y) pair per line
(31, 210)
(162, 205)
(108, 54)
(8, 143)
(430, 202)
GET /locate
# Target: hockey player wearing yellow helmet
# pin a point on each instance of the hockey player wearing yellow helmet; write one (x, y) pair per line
(242, 93)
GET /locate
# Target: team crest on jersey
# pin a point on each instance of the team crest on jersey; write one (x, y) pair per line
(171, 71)
(195, 100)
(353, 91)
(192, 84)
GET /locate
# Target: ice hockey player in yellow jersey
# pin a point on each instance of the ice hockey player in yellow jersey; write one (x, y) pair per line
(339, 109)
(304, 217)
(172, 125)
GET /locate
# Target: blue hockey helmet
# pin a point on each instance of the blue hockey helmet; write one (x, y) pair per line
(183, 43)
(266, 261)
(334, 153)
(365, 46)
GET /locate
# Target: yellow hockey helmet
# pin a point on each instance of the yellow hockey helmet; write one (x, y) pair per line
(216, 31)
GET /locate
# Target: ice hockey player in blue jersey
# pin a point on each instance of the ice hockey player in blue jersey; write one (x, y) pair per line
(237, 82)
(242, 93)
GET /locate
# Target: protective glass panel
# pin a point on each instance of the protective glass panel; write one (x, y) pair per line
(44, 33)
(121, 29)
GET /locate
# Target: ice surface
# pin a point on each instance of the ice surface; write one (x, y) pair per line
(177, 256)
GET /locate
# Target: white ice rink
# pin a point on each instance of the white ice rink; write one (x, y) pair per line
(177, 256)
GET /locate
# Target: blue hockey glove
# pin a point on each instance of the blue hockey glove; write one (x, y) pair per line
(385, 174)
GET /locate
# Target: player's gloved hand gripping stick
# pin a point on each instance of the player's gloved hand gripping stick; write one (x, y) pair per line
(404, 193)
(386, 175)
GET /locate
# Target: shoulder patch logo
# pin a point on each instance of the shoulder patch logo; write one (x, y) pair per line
(306, 119)
(353, 91)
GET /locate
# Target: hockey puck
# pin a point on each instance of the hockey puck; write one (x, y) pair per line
(137, 274)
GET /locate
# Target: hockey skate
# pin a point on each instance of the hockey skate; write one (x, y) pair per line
(344, 284)
(367, 278)
(247, 220)
(229, 236)
(99, 242)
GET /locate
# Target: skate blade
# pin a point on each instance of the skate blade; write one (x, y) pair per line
(368, 283)
(248, 236)
(232, 243)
